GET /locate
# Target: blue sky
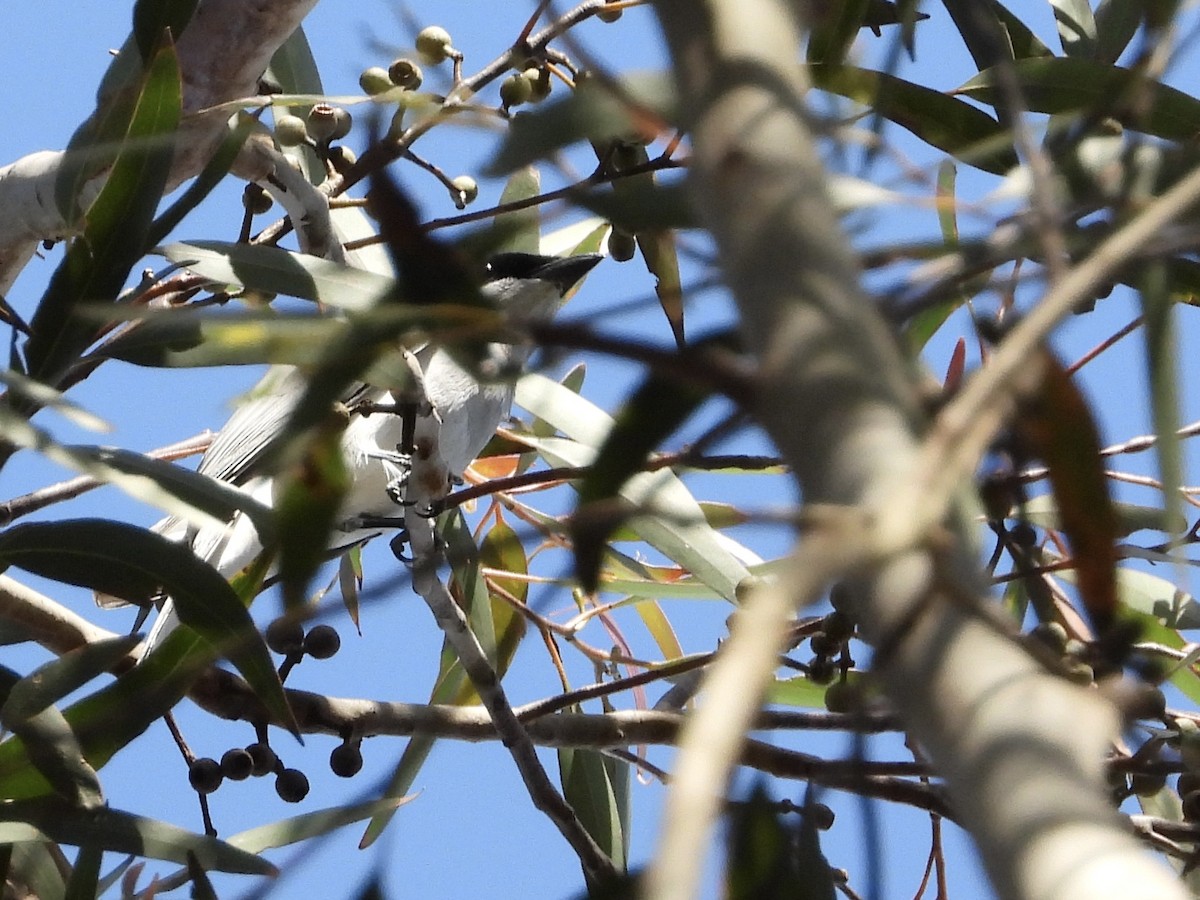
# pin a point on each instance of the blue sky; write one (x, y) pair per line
(472, 830)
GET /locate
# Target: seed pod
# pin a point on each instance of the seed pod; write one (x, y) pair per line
(467, 189)
(324, 123)
(405, 73)
(434, 45)
(515, 90)
(291, 131)
(375, 80)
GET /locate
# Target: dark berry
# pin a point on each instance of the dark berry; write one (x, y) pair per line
(821, 645)
(821, 670)
(621, 245)
(842, 697)
(322, 642)
(237, 764)
(285, 636)
(1191, 806)
(1024, 534)
(291, 785)
(346, 760)
(204, 775)
(839, 598)
(1188, 783)
(838, 626)
(1145, 785)
(263, 759)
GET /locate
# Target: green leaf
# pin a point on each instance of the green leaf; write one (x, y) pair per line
(1155, 596)
(657, 246)
(119, 559)
(1060, 85)
(275, 271)
(311, 825)
(944, 122)
(295, 69)
(521, 227)
(152, 17)
(202, 888)
(51, 682)
(1076, 27)
(97, 264)
(660, 628)
(926, 323)
(767, 860)
(28, 712)
(799, 692)
(123, 832)
(597, 788)
(1043, 510)
(1117, 21)
(676, 528)
(834, 32)
(644, 204)
(309, 494)
(192, 339)
(110, 718)
(40, 866)
(591, 113)
(89, 461)
(501, 548)
(45, 397)
(1021, 40)
(1164, 371)
(1161, 611)
(655, 409)
(210, 176)
(494, 623)
(55, 752)
(85, 876)
(1057, 426)
(216, 498)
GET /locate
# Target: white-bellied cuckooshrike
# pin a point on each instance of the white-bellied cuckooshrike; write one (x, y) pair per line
(465, 414)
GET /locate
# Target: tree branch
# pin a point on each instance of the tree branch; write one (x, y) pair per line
(1027, 785)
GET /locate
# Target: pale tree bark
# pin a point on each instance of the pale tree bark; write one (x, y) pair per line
(1021, 750)
(222, 52)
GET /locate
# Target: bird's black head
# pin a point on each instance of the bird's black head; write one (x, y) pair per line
(564, 272)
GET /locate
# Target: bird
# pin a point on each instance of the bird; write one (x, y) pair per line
(460, 412)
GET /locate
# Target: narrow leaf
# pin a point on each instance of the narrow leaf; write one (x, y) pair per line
(943, 121)
(1117, 21)
(1061, 85)
(115, 237)
(119, 559)
(123, 832)
(276, 271)
(1076, 27)
(1058, 427)
(653, 412)
(597, 799)
(311, 825)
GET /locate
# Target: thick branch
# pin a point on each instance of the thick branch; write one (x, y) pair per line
(1021, 750)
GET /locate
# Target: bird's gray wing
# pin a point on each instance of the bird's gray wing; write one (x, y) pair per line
(242, 442)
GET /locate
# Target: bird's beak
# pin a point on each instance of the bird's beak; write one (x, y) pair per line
(565, 272)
